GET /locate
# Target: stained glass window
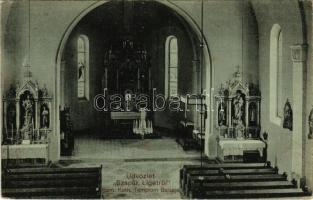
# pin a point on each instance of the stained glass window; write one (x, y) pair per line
(171, 66)
(83, 67)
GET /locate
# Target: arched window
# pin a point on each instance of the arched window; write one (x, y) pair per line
(279, 109)
(171, 65)
(83, 67)
(275, 73)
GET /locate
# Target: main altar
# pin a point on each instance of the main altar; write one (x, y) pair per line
(127, 80)
(237, 120)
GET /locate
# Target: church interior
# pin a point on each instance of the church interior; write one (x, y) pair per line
(164, 99)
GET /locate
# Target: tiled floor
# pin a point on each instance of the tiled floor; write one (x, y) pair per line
(159, 159)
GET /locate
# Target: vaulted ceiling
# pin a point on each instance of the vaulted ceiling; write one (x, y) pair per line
(137, 18)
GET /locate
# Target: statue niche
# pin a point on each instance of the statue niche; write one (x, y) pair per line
(252, 114)
(238, 109)
(27, 105)
(287, 116)
(44, 116)
(222, 115)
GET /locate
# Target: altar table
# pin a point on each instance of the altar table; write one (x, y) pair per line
(125, 115)
(237, 147)
(25, 151)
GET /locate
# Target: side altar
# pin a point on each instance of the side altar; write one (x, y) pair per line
(237, 120)
(26, 122)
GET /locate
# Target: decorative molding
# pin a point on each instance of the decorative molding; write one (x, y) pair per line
(299, 52)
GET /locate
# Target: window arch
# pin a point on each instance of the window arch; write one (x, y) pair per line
(83, 67)
(275, 73)
(171, 66)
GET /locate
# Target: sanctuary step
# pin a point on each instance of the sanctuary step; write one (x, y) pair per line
(52, 183)
(236, 180)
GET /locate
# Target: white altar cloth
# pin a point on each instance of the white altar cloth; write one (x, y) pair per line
(236, 147)
(24, 151)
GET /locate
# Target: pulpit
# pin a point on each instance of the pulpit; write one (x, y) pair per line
(237, 119)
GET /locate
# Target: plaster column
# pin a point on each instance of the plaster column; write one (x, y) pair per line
(4, 117)
(230, 124)
(17, 116)
(298, 56)
(37, 115)
(247, 115)
(62, 83)
(195, 71)
(195, 88)
(308, 157)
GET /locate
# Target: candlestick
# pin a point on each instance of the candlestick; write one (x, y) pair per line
(12, 132)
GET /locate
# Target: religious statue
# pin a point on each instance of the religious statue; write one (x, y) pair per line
(11, 116)
(252, 114)
(222, 114)
(128, 100)
(238, 105)
(287, 116)
(28, 117)
(81, 71)
(310, 136)
(44, 91)
(28, 107)
(11, 93)
(10, 122)
(44, 117)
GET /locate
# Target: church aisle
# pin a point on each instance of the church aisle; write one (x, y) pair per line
(87, 147)
(132, 168)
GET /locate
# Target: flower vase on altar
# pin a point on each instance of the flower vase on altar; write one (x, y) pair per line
(135, 127)
(142, 127)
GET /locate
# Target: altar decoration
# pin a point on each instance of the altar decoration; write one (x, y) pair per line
(237, 120)
(27, 114)
(238, 109)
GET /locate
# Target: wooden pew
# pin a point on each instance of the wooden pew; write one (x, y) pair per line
(52, 182)
(239, 171)
(237, 180)
(228, 166)
(198, 181)
(264, 193)
(239, 186)
(245, 185)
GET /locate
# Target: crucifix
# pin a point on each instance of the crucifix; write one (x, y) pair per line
(238, 68)
(27, 73)
(237, 74)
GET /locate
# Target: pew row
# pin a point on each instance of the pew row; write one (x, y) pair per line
(225, 166)
(236, 180)
(52, 183)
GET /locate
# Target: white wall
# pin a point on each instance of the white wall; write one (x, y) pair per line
(269, 13)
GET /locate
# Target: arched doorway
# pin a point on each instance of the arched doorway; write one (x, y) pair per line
(193, 32)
